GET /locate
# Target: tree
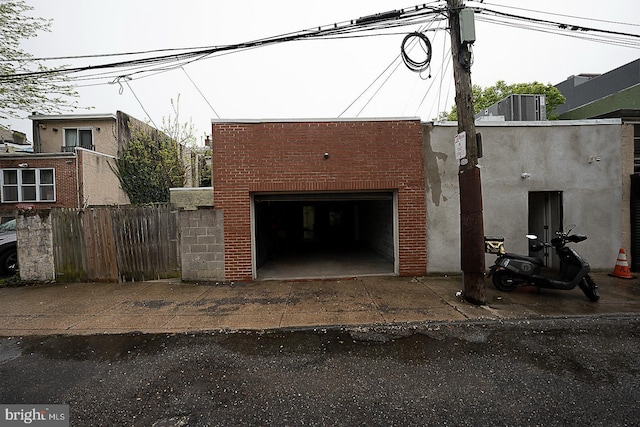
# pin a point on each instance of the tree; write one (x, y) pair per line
(194, 156)
(26, 84)
(155, 161)
(484, 98)
(149, 166)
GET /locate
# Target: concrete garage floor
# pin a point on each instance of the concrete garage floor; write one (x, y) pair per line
(326, 264)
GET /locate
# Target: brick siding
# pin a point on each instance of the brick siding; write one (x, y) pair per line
(65, 178)
(289, 157)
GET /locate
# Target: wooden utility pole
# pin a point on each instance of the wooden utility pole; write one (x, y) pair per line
(471, 220)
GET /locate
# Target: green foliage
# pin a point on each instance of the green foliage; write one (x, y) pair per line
(484, 98)
(205, 167)
(44, 91)
(184, 133)
(12, 282)
(149, 166)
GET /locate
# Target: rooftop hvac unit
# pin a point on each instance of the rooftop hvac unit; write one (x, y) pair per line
(518, 108)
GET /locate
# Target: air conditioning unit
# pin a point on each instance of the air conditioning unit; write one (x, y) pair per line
(518, 108)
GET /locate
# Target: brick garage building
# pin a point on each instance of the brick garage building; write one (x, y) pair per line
(340, 186)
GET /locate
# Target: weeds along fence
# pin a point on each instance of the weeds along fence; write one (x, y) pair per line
(106, 244)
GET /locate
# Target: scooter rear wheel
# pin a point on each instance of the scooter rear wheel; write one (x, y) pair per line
(503, 281)
(589, 288)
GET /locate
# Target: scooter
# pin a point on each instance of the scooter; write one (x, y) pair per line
(512, 270)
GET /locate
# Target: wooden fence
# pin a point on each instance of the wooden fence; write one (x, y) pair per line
(115, 243)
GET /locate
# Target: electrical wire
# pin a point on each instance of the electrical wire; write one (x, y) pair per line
(139, 102)
(371, 85)
(152, 63)
(364, 27)
(563, 15)
(413, 65)
(441, 72)
(200, 92)
(413, 42)
(560, 25)
(149, 64)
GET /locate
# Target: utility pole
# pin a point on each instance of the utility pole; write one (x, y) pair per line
(471, 220)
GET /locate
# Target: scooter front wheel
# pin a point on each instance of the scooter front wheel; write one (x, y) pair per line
(503, 280)
(589, 288)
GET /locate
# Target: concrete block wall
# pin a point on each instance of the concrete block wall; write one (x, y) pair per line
(202, 245)
(253, 157)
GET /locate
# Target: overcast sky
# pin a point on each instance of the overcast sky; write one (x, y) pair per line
(317, 78)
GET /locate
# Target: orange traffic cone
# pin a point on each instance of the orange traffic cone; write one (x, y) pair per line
(622, 267)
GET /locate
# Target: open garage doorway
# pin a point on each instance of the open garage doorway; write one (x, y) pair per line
(324, 235)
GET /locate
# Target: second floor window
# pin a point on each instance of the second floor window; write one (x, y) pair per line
(28, 185)
(77, 138)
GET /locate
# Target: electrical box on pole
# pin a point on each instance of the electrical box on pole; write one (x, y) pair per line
(467, 26)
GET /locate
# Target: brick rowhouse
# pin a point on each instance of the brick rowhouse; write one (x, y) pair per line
(288, 156)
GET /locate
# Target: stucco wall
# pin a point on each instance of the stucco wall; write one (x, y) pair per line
(35, 246)
(99, 183)
(104, 134)
(191, 198)
(556, 155)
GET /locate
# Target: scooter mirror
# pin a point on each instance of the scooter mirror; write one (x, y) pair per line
(532, 236)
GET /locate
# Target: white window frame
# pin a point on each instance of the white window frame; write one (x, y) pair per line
(77, 129)
(39, 186)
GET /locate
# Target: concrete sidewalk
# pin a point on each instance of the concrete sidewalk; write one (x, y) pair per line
(173, 307)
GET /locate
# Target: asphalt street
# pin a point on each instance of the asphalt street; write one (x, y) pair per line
(573, 371)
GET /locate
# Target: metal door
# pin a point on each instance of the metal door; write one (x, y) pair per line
(545, 218)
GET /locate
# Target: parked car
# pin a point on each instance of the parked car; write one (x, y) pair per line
(8, 248)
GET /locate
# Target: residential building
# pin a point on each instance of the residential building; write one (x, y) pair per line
(614, 94)
(72, 164)
(13, 141)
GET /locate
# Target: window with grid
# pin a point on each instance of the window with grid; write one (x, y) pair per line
(28, 185)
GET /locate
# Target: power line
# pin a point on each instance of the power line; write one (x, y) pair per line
(368, 26)
(560, 25)
(563, 15)
(139, 102)
(359, 25)
(200, 92)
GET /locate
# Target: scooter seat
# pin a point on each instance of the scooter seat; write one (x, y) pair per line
(533, 260)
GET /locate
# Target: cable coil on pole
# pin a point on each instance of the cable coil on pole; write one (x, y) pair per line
(413, 65)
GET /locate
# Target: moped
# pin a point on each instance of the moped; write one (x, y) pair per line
(512, 270)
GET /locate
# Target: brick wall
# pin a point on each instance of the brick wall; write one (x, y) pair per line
(290, 157)
(65, 178)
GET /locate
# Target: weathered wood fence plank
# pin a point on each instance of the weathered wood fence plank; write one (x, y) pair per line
(116, 243)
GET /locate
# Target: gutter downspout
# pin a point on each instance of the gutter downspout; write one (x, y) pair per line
(37, 148)
(75, 153)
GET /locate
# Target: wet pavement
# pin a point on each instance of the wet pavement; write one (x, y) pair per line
(169, 306)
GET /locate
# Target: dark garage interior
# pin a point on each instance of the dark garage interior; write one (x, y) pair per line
(324, 235)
